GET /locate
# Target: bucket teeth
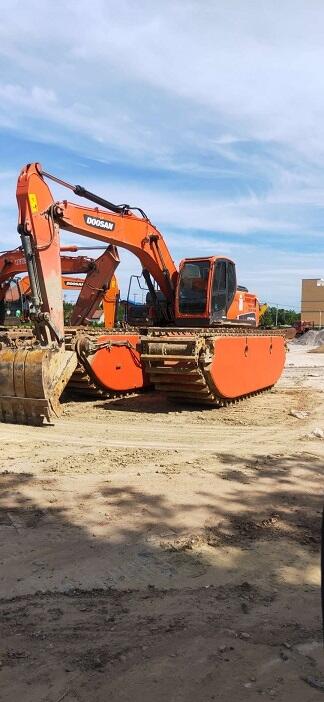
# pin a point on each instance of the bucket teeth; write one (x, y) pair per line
(24, 410)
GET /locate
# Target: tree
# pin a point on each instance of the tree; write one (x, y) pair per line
(266, 319)
(67, 311)
(279, 316)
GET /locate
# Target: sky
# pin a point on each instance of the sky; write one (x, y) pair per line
(209, 115)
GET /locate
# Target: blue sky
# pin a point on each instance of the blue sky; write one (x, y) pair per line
(208, 115)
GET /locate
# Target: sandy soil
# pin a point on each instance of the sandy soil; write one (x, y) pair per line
(153, 553)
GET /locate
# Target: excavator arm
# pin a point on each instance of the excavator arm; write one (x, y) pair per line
(95, 286)
(40, 221)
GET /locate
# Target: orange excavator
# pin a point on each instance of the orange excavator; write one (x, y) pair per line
(18, 289)
(99, 279)
(21, 290)
(12, 263)
(204, 346)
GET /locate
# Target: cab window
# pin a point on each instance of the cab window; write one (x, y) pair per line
(193, 284)
(231, 282)
(219, 295)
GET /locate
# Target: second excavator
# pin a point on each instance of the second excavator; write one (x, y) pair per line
(19, 290)
(97, 286)
(204, 346)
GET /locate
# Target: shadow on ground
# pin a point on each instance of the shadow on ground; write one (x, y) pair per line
(232, 638)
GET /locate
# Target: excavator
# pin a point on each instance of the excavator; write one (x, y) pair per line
(204, 346)
(22, 290)
(17, 291)
(13, 262)
(100, 277)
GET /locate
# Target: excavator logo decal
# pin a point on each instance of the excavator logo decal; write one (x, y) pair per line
(73, 284)
(99, 223)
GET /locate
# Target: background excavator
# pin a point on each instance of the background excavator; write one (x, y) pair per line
(13, 262)
(100, 282)
(20, 290)
(204, 347)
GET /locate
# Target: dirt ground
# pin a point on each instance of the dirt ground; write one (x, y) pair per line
(153, 553)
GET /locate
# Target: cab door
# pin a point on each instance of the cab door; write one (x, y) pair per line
(223, 289)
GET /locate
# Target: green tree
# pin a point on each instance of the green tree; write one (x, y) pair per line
(266, 319)
(67, 311)
(279, 316)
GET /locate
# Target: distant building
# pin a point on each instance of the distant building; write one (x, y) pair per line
(312, 301)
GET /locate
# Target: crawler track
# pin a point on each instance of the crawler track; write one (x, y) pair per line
(181, 362)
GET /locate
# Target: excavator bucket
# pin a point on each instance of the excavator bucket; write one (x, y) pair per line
(32, 381)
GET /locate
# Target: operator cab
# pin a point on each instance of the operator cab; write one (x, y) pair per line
(205, 291)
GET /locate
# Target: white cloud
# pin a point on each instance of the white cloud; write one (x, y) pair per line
(119, 70)
(227, 94)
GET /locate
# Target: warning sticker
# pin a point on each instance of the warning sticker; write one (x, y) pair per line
(33, 202)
